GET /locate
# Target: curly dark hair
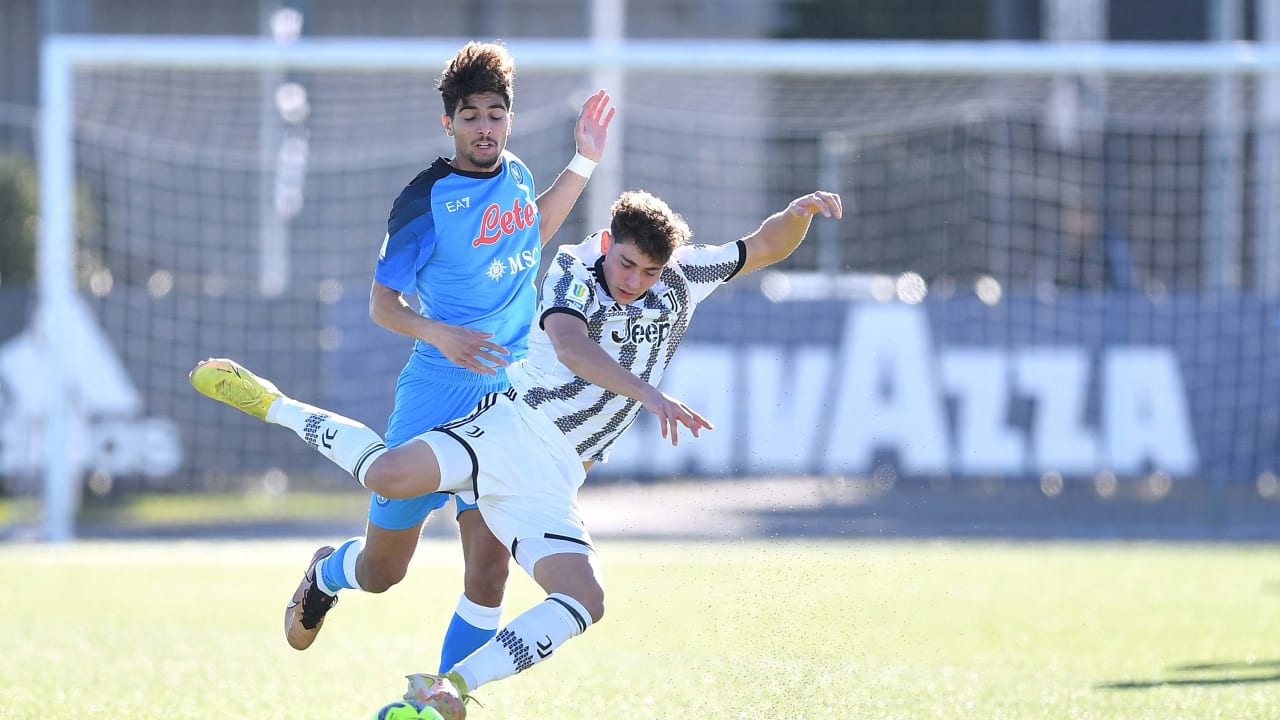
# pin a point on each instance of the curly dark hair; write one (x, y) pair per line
(477, 68)
(649, 223)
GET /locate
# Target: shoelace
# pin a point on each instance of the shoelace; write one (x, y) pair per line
(241, 394)
(467, 699)
(315, 603)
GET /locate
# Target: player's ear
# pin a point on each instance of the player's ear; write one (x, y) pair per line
(447, 122)
(605, 241)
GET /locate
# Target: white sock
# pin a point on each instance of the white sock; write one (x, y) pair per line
(338, 571)
(349, 444)
(525, 641)
(480, 616)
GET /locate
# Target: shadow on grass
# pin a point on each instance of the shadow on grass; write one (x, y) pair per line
(1222, 667)
(1209, 674)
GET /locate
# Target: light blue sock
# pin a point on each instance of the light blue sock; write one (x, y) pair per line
(471, 627)
(338, 571)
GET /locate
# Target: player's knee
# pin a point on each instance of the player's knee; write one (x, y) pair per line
(488, 556)
(390, 477)
(488, 564)
(489, 571)
(486, 582)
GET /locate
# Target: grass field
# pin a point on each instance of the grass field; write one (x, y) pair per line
(755, 629)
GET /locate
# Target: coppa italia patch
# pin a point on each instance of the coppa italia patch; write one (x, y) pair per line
(577, 296)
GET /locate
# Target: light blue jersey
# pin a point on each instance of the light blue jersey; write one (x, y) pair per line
(468, 245)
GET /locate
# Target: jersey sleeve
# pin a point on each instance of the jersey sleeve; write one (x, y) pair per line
(567, 288)
(409, 240)
(707, 267)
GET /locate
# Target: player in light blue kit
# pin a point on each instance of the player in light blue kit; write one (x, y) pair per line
(466, 237)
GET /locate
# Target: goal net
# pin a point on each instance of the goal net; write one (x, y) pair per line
(1043, 272)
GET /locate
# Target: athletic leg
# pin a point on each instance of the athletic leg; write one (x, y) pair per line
(541, 524)
(408, 471)
(376, 561)
(485, 569)
(379, 560)
(424, 398)
(575, 601)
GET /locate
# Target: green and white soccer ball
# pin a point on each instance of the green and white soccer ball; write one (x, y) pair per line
(406, 710)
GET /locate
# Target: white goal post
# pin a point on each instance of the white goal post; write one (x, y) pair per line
(64, 56)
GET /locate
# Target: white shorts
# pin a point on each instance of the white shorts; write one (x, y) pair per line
(523, 472)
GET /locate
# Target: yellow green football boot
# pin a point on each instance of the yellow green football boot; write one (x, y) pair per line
(229, 382)
(444, 693)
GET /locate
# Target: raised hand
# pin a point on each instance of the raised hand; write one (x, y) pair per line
(591, 132)
(826, 203)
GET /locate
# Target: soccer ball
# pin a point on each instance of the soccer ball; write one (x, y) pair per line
(406, 710)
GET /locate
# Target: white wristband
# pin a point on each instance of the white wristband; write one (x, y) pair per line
(581, 165)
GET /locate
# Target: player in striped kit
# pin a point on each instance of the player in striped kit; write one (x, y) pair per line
(465, 237)
(613, 310)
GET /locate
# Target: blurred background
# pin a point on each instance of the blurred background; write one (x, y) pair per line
(1051, 308)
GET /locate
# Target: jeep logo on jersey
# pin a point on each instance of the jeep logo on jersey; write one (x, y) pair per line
(497, 222)
(638, 331)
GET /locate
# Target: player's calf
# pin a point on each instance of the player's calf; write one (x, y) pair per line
(381, 576)
(529, 639)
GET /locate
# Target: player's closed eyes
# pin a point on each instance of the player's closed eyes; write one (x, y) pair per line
(651, 272)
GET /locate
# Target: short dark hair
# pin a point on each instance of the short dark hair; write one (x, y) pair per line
(477, 68)
(649, 223)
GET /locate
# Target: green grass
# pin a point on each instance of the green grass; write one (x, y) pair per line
(758, 629)
(150, 510)
(221, 509)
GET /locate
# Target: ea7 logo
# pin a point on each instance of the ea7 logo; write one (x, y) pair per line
(456, 205)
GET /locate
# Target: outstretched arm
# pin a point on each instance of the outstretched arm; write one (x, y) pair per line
(590, 134)
(581, 354)
(780, 234)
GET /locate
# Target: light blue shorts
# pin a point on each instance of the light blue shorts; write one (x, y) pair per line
(427, 396)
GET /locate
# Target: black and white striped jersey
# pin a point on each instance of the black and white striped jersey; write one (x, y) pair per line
(642, 335)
